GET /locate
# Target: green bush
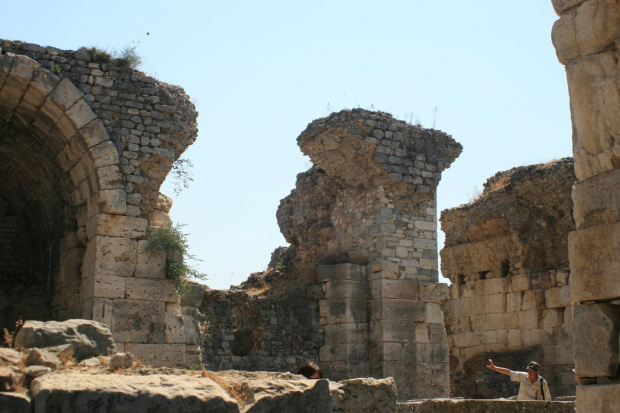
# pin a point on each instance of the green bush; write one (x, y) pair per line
(171, 240)
(99, 55)
(128, 58)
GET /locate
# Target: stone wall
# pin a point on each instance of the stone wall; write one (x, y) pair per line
(362, 222)
(506, 254)
(84, 148)
(371, 195)
(585, 39)
(253, 332)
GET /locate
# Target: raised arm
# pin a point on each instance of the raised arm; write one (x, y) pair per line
(501, 370)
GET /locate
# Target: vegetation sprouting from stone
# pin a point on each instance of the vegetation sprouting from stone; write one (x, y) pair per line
(182, 175)
(99, 55)
(128, 58)
(172, 241)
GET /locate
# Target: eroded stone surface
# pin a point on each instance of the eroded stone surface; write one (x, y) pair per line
(88, 338)
(85, 146)
(507, 257)
(76, 392)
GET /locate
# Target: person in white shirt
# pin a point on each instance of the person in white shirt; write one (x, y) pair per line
(531, 384)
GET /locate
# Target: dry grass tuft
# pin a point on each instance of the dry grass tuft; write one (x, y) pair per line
(233, 389)
(9, 336)
(499, 183)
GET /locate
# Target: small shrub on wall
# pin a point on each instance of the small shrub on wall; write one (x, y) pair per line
(171, 240)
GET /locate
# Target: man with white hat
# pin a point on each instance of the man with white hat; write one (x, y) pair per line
(531, 384)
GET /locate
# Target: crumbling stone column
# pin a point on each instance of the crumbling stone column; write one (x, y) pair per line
(585, 39)
(366, 213)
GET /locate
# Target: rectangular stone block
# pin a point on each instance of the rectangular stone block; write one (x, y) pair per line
(497, 303)
(139, 321)
(351, 352)
(433, 353)
(191, 325)
(596, 344)
(112, 201)
(343, 310)
(116, 226)
(397, 309)
(592, 204)
(398, 331)
(552, 317)
(514, 338)
(584, 30)
(102, 286)
(342, 370)
(158, 355)
(346, 289)
(480, 305)
(468, 290)
(423, 374)
(153, 289)
(598, 398)
(382, 269)
(494, 321)
(434, 313)
(520, 283)
(173, 330)
(528, 319)
(437, 333)
(434, 292)
(346, 333)
(533, 299)
(460, 325)
(594, 263)
(559, 297)
(102, 310)
(109, 177)
(110, 255)
(466, 339)
(388, 288)
(335, 272)
(513, 302)
(492, 286)
(150, 265)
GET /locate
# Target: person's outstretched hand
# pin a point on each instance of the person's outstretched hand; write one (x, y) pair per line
(491, 365)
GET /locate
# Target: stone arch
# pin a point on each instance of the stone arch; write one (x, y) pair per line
(58, 170)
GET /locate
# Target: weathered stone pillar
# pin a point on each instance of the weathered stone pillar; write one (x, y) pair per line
(367, 211)
(585, 38)
(344, 313)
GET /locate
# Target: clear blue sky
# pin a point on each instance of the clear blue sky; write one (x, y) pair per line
(260, 71)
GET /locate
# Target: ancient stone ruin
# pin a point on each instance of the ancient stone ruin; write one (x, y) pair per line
(585, 39)
(506, 255)
(84, 148)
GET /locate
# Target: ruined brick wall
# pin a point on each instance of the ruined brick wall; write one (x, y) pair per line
(507, 257)
(257, 332)
(371, 194)
(84, 148)
(586, 41)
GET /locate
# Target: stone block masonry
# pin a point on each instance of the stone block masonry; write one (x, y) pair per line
(507, 257)
(258, 332)
(585, 40)
(366, 214)
(84, 148)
